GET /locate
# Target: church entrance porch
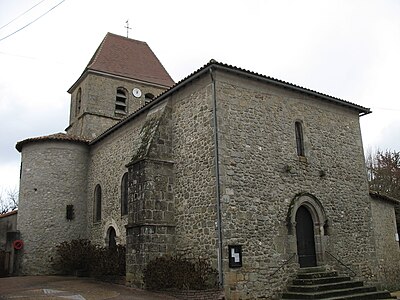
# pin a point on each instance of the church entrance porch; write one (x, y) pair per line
(305, 238)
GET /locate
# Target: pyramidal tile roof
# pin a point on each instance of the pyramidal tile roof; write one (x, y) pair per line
(121, 56)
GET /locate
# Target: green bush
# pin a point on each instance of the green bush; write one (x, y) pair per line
(73, 256)
(83, 257)
(176, 272)
(109, 261)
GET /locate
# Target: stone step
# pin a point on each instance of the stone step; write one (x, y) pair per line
(319, 283)
(371, 295)
(321, 280)
(309, 275)
(325, 287)
(318, 269)
(328, 294)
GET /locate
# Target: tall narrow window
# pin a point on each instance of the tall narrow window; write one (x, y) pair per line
(120, 101)
(112, 242)
(299, 139)
(78, 102)
(124, 194)
(97, 203)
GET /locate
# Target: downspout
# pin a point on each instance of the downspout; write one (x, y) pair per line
(217, 182)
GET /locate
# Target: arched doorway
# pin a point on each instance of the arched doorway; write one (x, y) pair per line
(305, 238)
(112, 243)
(307, 226)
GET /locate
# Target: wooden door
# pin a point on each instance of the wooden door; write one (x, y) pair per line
(305, 238)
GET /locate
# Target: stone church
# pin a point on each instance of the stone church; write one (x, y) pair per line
(257, 175)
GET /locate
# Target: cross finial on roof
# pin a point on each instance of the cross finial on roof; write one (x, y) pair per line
(127, 28)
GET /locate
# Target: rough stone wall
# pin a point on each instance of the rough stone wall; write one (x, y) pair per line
(193, 155)
(98, 103)
(53, 175)
(387, 248)
(151, 223)
(108, 160)
(151, 228)
(8, 222)
(261, 174)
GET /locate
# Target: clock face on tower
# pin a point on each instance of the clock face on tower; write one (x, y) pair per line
(136, 92)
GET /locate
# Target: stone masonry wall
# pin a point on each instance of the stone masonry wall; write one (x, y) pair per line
(151, 227)
(8, 223)
(53, 175)
(151, 222)
(261, 174)
(193, 155)
(108, 160)
(98, 99)
(388, 249)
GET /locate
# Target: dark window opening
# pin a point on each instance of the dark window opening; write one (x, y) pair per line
(124, 194)
(119, 107)
(299, 139)
(112, 243)
(120, 101)
(97, 204)
(148, 97)
(70, 212)
(78, 102)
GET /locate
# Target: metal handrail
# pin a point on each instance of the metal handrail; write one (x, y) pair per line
(281, 266)
(342, 263)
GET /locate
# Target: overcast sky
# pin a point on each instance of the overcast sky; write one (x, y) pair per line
(347, 49)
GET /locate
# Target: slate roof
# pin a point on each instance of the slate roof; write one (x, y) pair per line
(121, 56)
(53, 137)
(10, 213)
(380, 196)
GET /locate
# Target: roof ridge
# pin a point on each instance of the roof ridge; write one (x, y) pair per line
(121, 56)
(159, 62)
(228, 67)
(59, 136)
(126, 38)
(97, 53)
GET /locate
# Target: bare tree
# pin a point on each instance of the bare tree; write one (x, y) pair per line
(8, 200)
(383, 169)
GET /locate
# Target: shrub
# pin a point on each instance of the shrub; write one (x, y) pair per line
(73, 256)
(81, 255)
(109, 261)
(176, 272)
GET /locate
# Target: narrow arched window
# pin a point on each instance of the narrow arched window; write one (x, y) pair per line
(124, 194)
(121, 101)
(78, 102)
(299, 139)
(148, 97)
(97, 203)
(112, 242)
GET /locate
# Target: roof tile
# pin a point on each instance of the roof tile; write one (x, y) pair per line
(53, 137)
(130, 58)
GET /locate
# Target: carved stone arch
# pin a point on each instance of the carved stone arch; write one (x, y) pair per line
(319, 219)
(111, 224)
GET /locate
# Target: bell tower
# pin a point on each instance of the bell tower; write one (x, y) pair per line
(122, 76)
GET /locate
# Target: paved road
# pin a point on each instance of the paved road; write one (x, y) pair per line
(62, 287)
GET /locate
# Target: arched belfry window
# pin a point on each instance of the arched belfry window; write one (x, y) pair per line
(299, 139)
(148, 97)
(78, 102)
(121, 101)
(97, 203)
(124, 194)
